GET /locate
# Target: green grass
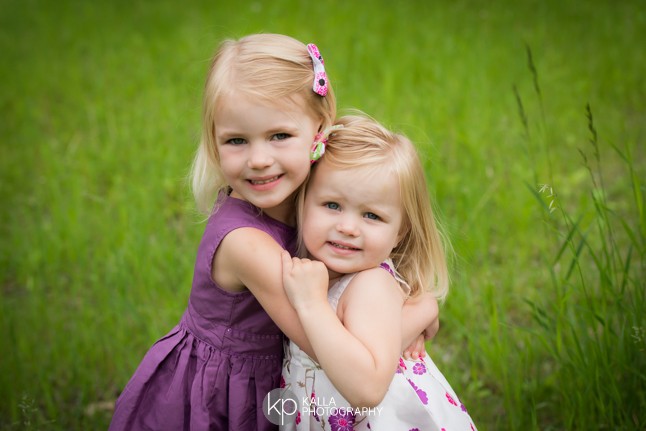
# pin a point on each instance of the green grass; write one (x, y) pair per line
(545, 325)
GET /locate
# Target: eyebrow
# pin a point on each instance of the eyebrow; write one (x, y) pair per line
(281, 128)
(334, 196)
(227, 135)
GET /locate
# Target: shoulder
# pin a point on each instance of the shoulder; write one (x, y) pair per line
(229, 209)
(229, 216)
(369, 292)
(374, 282)
(232, 213)
(377, 275)
(247, 242)
(245, 254)
(244, 229)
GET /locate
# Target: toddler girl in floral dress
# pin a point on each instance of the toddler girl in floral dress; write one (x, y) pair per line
(367, 223)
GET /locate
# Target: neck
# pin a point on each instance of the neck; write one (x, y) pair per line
(334, 277)
(284, 212)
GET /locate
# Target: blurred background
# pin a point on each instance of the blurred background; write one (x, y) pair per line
(530, 117)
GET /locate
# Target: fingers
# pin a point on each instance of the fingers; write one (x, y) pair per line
(285, 256)
(294, 267)
(290, 262)
(287, 262)
(416, 351)
(412, 356)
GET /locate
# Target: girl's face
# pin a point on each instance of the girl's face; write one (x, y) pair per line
(352, 219)
(264, 150)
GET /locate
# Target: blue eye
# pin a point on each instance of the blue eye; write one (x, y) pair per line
(332, 205)
(280, 136)
(372, 216)
(236, 141)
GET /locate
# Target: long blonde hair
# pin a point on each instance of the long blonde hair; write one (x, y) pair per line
(269, 67)
(419, 257)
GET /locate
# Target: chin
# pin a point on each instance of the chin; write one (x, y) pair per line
(340, 269)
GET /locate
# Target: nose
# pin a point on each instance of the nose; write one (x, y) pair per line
(347, 226)
(259, 157)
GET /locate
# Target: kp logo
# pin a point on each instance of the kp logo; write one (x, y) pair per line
(280, 406)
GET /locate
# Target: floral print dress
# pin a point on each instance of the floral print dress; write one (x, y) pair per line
(419, 397)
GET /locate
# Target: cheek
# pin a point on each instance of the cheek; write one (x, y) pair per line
(227, 159)
(306, 159)
(300, 163)
(389, 241)
(312, 228)
(310, 240)
(307, 226)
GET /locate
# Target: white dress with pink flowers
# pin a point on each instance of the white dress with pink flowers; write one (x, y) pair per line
(419, 397)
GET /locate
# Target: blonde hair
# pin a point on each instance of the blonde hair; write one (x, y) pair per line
(269, 67)
(363, 143)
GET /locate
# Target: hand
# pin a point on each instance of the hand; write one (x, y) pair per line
(305, 281)
(434, 326)
(416, 350)
(427, 304)
(419, 317)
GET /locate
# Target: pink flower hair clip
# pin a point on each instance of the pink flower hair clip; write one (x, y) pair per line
(320, 141)
(320, 86)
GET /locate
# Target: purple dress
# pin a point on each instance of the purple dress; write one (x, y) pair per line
(213, 370)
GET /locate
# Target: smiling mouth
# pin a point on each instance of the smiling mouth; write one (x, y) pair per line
(341, 246)
(265, 181)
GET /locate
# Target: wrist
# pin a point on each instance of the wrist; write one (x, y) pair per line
(311, 307)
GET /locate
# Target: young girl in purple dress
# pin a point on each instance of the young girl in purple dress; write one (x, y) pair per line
(266, 98)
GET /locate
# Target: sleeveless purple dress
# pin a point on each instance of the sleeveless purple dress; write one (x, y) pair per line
(213, 370)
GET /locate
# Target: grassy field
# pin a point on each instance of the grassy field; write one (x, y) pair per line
(530, 116)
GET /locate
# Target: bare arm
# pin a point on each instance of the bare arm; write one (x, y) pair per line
(419, 316)
(249, 258)
(359, 352)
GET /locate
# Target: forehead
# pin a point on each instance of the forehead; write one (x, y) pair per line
(236, 109)
(367, 185)
(286, 103)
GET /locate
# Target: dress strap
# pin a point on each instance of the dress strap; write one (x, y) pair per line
(389, 266)
(335, 292)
